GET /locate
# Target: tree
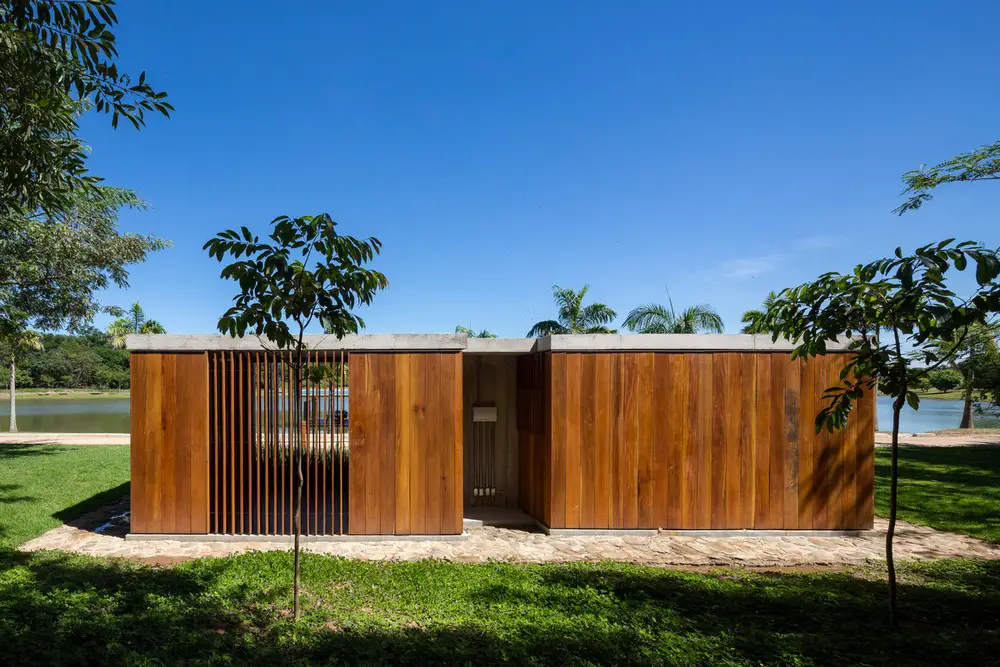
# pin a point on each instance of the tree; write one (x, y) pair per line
(134, 322)
(57, 61)
(574, 317)
(907, 299)
(654, 318)
(485, 333)
(52, 269)
(943, 379)
(17, 342)
(973, 362)
(982, 164)
(307, 273)
(755, 315)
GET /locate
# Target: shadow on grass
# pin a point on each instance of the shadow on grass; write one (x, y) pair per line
(72, 514)
(16, 450)
(6, 497)
(57, 609)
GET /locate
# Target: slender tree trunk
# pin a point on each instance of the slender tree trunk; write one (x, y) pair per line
(897, 408)
(299, 479)
(13, 397)
(876, 405)
(967, 406)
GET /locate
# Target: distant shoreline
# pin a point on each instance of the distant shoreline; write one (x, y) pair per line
(67, 393)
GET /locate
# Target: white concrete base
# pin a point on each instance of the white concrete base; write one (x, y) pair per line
(569, 532)
(286, 539)
(765, 533)
(653, 532)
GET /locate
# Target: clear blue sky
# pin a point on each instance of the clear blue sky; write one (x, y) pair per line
(497, 148)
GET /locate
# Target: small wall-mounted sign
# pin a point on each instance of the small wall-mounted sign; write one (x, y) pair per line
(484, 413)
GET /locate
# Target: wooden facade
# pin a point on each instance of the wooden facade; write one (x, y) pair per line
(406, 443)
(677, 439)
(169, 426)
(693, 440)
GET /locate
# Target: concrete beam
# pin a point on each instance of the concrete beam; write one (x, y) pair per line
(668, 343)
(459, 342)
(360, 342)
(501, 345)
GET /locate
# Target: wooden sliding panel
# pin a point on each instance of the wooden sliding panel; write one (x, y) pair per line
(534, 451)
(406, 444)
(699, 440)
(170, 443)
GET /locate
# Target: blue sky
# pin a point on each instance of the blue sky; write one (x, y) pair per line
(718, 149)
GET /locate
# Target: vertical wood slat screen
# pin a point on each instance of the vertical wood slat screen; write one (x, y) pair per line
(669, 440)
(406, 439)
(252, 471)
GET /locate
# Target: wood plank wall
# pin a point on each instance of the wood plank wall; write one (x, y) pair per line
(691, 441)
(406, 444)
(169, 426)
(534, 454)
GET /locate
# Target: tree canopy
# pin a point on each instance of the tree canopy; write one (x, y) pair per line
(484, 333)
(134, 322)
(58, 60)
(883, 309)
(754, 315)
(52, 270)
(982, 164)
(574, 317)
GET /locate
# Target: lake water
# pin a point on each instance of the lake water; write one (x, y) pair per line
(68, 415)
(110, 415)
(934, 415)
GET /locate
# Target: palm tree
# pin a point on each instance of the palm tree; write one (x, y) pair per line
(485, 333)
(655, 318)
(21, 342)
(134, 322)
(750, 316)
(574, 318)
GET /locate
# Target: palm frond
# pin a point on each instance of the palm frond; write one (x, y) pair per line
(152, 327)
(704, 318)
(546, 328)
(748, 320)
(117, 331)
(650, 318)
(596, 315)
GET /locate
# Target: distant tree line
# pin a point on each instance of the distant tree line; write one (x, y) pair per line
(86, 360)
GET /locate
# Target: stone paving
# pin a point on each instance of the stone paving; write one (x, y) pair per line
(503, 544)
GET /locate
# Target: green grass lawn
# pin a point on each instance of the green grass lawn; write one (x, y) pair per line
(58, 609)
(949, 488)
(41, 486)
(953, 395)
(40, 392)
